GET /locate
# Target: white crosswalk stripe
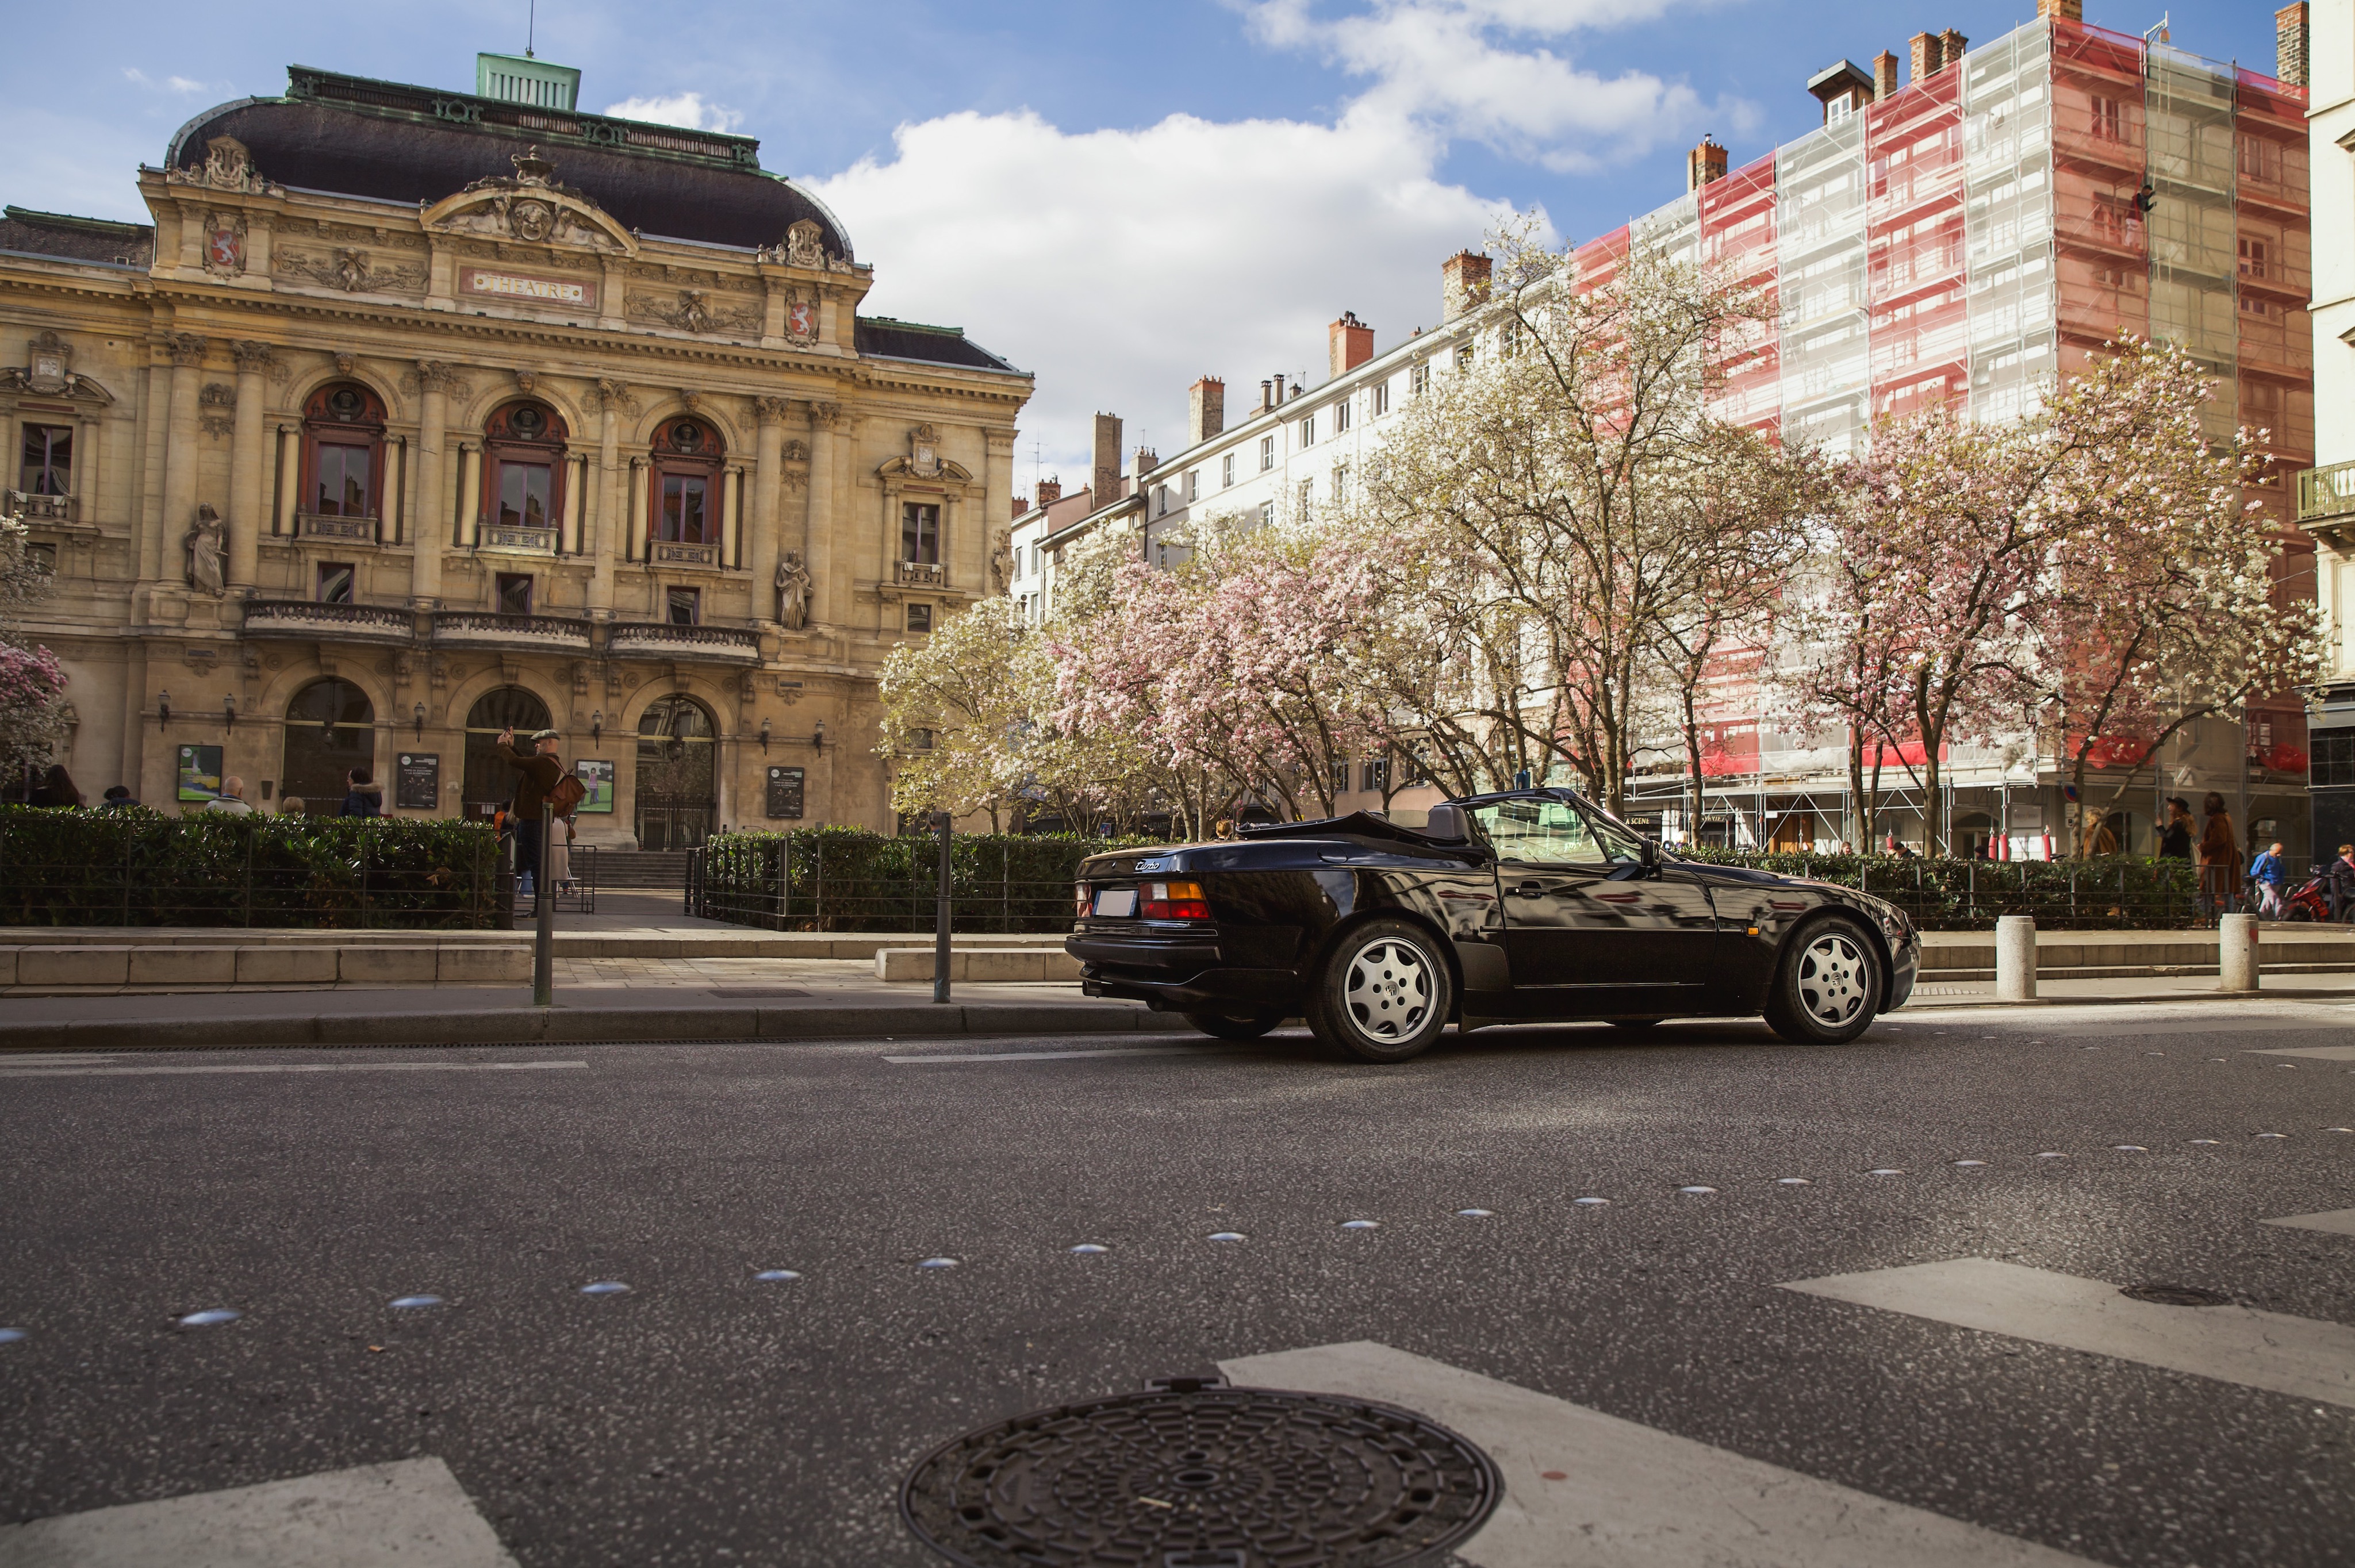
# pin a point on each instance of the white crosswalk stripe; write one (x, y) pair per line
(1631, 1497)
(2301, 1356)
(2338, 1222)
(409, 1514)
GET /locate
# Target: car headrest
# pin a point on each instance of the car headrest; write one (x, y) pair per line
(1448, 823)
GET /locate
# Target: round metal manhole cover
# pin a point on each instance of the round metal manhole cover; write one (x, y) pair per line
(1204, 1478)
(2175, 1295)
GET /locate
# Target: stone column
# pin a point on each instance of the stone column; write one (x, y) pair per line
(432, 529)
(249, 454)
(732, 537)
(147, 491)
(180, 453)
(606, 538)
(828, 599)
(761, 510)
(470, 495)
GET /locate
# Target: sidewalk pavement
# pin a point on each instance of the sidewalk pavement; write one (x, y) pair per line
(766, 999)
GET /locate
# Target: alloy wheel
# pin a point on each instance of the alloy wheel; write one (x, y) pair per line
(1390, 990)
(1833, 983)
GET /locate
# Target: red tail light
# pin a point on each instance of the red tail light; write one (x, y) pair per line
(1173, 901)
(1084, 900)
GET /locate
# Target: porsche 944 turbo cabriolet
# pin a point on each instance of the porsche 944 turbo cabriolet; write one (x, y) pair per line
(1530, 906)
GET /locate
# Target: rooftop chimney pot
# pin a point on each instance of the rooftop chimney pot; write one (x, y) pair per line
(1050, 491)
(1704, 163)
(1349, 343)
(1206, 409)
(2061, 10)
(1104, 478)
(1463, 283)
(1927, 56)
(1884, 75)
(2289, 44)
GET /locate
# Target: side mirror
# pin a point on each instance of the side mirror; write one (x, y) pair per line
(1448, 823)
(1651, 853)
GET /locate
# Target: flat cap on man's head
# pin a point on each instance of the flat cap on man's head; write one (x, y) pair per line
(544, 734)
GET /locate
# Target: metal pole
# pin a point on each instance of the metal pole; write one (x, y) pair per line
(941, 921)
(543, 943)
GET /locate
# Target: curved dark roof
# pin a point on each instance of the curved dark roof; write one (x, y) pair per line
(890, 339)
(395, 143)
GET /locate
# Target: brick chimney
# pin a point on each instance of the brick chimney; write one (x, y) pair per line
(1927, 56)
(1349, 343)
(1145, 462)
(1104, 477)
(1952, 45)
(1884, 75)
(2289, 44)
(1050, 491)
(1704, 163)
(1267, 392)
(1463, 283)
(1206, 409)
(2061, 10)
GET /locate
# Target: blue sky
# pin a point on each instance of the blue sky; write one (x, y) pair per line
(1120, 197)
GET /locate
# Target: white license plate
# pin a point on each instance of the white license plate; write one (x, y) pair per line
(1116, 901)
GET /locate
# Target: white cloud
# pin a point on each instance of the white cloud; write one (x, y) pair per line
(1467, 68)
(181, 84)
(687, 109)
(1120, 265)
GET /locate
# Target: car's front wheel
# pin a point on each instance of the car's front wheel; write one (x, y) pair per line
(1383, 994)
(1827, 988)
(1226, 1028)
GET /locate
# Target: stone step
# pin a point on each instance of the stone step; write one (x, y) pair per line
(978, 964)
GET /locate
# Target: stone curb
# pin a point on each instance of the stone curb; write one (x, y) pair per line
(1942, 1005)
(572, 1026)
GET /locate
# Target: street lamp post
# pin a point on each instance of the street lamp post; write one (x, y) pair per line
(940, 920)
(543, 942)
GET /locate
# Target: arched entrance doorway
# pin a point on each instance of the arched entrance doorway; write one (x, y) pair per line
(490, 782)
(330, 730)
(676, 768)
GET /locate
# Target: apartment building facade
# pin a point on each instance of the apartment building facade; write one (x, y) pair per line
(2327, 491)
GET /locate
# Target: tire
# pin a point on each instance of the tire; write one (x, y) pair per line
(1225, 1028)
(1383, 993)
(1827, 986)
(1632, 1025)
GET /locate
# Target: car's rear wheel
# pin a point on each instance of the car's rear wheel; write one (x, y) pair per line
(1226, 1028)
(1383, 994)
(1828, 986)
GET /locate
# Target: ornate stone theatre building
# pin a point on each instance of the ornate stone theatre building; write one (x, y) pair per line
(417, 414)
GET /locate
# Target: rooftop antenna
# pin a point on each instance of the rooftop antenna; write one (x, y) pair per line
(530, 28)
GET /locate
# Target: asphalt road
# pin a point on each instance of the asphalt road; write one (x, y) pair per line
(706, 1416)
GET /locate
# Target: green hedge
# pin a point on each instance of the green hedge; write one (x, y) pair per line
(847, 879)
(2119, 891)
(139, 867)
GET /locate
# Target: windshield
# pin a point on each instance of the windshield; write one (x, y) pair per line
(1546, 830)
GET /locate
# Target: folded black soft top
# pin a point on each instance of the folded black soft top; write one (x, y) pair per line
(1355, 825)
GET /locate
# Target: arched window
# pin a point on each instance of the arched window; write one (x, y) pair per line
(686, 490)
(490, 782)
(676, 769)
(343, 451)
(523, 466)
(330, 730)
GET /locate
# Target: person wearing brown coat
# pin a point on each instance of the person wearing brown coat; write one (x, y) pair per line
(2220, 857)
(539, 769)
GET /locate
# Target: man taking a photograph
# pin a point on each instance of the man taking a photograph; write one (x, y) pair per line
(538, 770)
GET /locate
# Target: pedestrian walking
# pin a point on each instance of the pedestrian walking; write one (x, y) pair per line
(538, 771)
(2342, 875)
(2175, 839)
(2220, 857)
(560, 855)
(362, 797)
(232, 797)
(2269, 874)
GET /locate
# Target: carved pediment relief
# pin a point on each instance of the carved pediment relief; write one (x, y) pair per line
(925, 461)
(529, 208)
(49, 372)
(228, 166)
(351, 270)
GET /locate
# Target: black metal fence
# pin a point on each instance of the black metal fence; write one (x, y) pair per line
(2114, 892)
(143, 868)
(842, 879)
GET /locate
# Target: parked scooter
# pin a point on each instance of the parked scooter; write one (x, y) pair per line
(2311, 900)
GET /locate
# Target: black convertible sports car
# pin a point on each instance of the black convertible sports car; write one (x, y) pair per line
(1528, 906)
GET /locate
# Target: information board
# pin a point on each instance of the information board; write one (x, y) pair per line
(596, 776)
(200, 772)
(784, 791)
(417, 783)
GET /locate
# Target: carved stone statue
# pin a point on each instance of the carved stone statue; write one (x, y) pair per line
(207, 543)
(804, 245)
(794, 584)
(1001, 558)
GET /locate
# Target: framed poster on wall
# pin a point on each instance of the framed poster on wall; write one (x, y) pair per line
(199, 772)
(596, 776)
(786, 792)
(417, 781)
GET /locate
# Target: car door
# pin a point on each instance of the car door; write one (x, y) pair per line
(1591, 922)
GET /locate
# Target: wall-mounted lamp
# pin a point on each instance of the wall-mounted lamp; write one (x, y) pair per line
(418, 712)
(817, 738)
(228, 712)
(163, 709)
(597, 728)
(764, 738)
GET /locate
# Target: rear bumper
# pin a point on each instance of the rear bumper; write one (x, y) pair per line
(1174, 970)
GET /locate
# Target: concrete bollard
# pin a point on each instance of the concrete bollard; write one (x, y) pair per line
(2015, 958)
(2236, 952)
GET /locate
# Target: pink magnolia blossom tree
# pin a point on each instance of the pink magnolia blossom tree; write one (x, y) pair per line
(32, 683)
